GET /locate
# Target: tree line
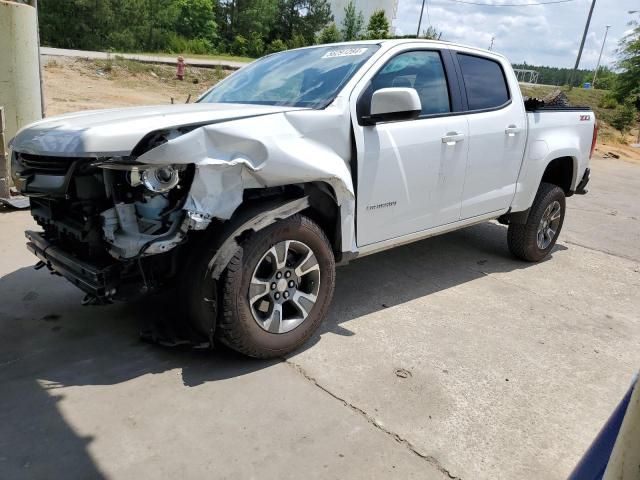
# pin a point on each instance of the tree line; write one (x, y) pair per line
(238, 27)
(253, 28)
(560, 76)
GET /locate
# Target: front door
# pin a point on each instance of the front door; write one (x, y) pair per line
(411, 172)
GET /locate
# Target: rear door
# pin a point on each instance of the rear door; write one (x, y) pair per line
(497, 134)
(410, 173)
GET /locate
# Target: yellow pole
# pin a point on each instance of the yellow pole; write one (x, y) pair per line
(19, 66)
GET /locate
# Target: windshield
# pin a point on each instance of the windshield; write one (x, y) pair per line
(310, 77)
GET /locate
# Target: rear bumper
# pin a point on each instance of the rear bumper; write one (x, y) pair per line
(581, 189)
(99, 281)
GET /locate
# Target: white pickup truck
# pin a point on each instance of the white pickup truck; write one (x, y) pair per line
(244, 202)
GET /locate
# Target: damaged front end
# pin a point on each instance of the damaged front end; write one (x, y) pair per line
(115, 223)
(103, 219)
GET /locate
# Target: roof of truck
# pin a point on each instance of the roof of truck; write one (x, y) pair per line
(399, 41)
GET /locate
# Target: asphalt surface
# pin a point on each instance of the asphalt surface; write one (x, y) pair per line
(194, 62)
(444, 358)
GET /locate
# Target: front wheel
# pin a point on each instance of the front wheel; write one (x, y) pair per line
(277, 288)
(534, 240)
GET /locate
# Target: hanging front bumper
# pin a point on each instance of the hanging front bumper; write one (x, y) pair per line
(99, 281)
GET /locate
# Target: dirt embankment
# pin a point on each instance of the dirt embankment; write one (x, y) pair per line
(72, 84)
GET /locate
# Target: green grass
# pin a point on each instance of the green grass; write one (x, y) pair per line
(589, 97)
(230, 58)
(122, 67)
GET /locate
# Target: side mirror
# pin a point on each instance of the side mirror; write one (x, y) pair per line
(388, 104)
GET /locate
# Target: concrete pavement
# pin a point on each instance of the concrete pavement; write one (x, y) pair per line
(444, 358)
(146, 58)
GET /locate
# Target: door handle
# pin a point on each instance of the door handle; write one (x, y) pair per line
(511, 130)
(452, 138)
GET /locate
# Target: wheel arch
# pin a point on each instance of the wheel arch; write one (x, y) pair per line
(264, 206)
(324, 206)
(558, 170)
(561, 171)
(559, 167)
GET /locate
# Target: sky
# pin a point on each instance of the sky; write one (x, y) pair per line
(539, 35)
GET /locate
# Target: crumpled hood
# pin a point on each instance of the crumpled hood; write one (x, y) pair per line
(115, 132)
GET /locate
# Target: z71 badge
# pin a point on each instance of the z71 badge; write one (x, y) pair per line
(585, 118)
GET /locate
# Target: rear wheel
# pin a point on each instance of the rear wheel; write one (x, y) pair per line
(534, 240)
(277, 288)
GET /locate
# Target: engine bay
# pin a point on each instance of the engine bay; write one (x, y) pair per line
(93, 207)
(109, 213)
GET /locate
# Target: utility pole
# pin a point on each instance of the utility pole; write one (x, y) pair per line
(491, 46)
(595, 74)
(584, 37)
(420, 21)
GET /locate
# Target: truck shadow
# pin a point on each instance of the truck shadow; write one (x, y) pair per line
(402, 274)
(48, 340)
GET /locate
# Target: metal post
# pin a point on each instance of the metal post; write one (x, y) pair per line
(595, 74)
(5, 176)
(584, 37)
(420, 21)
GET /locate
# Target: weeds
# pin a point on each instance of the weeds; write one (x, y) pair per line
(134, 74)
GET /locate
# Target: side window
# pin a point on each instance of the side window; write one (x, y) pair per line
(484, 81)
(421, 70)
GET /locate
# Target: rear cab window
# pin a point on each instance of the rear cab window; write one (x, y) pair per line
(484, 81)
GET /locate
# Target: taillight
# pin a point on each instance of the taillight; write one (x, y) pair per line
(594, 139)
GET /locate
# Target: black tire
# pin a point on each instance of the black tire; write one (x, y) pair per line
(523, 237)
(237, 327)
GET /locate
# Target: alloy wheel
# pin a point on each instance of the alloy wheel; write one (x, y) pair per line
(549, 224)
(284, 286)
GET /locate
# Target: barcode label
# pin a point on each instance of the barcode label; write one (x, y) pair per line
(344, 52)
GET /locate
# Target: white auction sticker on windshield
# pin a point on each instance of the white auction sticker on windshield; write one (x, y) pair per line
(344, 52)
